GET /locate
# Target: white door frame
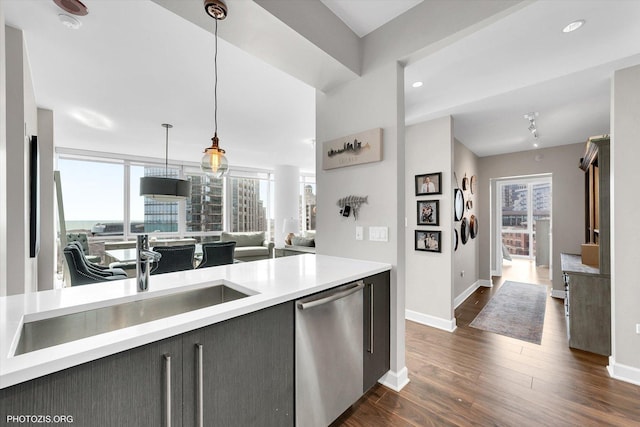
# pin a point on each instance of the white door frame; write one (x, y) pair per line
(496, 218)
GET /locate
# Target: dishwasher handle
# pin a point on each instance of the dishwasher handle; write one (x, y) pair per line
(340, 293)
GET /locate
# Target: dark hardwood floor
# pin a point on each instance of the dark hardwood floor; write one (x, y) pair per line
(472, 377)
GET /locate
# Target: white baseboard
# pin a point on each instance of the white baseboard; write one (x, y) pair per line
(623, 372)
(555, 293)
(395, 380)
(485, 283)
(436, 322)
(471, 289)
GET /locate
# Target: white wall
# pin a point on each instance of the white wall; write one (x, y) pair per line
(3, 159)
(21, 121)
(429, 149)
(287, 199)
(625, 233)
(374, 100)
(567, 199)
(466, 258)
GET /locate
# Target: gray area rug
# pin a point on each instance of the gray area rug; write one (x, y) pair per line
(516, 311)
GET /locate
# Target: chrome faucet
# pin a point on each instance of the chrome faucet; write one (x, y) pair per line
(144, 257)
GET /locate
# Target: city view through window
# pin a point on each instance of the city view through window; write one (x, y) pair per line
(523, 205)
(94, 202)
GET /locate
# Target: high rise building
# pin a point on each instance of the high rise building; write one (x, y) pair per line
(205, 206)
(248, 212)
(309, 207)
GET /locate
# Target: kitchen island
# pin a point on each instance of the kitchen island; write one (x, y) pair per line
(271, 287)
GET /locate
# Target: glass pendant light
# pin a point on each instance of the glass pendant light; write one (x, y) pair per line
(214, 163)
(165, 189)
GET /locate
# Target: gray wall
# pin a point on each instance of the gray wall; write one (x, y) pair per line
(21, 121)
(47, 255)
(429, 149)
(374, 100)
(625, 234)
(567, 199)
(466, 258)
(3, 158)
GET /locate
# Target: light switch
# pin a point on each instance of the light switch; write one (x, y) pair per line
(379, 234)
(359, 232)
(637, 328)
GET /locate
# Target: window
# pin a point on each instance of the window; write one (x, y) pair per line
(307, 204)
(147, 215)
(92, 195)
(249, 201)
(205, 207)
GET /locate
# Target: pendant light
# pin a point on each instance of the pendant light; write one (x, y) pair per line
(214, 163)
(165, 189)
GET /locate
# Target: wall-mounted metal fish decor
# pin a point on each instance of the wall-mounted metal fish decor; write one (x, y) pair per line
(354, 202)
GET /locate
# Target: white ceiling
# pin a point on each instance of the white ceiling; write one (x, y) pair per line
(140, 66)
(364, 16)
(134, 65)
(523, 63)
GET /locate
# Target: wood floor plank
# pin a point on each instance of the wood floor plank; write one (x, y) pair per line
(473, 377)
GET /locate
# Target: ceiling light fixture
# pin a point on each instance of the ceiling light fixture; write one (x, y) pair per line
(214, 163)
(69, 21)
(417, 84)
(532, 123)
(165, 189)
(573, 26)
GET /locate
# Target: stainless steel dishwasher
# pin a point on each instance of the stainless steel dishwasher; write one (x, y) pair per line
(329, 354)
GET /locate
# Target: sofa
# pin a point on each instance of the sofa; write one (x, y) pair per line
(250, 246)
(303, 244)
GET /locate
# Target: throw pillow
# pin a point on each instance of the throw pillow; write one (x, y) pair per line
(302, 241)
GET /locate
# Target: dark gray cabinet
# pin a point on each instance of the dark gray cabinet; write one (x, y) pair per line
(588, 312)
(128, 388)
(376, 328)
(247, 373)
(247, 366)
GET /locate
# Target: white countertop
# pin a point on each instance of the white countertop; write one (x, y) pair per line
(269, 282)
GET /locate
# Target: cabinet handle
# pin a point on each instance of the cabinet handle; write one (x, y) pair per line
(167, 390)
(199, 387)
(371, 320)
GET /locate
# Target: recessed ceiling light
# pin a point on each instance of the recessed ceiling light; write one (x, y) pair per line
(69, 21)
(573, 26)
(417, 84)
(535, 144)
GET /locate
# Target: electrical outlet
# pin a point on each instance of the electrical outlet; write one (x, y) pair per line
(462, 273)
(359, 232)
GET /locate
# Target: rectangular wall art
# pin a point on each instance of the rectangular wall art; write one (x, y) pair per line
(355, 149)
(428, 241)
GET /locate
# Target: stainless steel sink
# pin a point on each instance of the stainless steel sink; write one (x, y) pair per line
(70, 327)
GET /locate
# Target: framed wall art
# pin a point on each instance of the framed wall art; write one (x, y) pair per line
(428, 241)
(429, 183)
(355, 149)
(428, 212)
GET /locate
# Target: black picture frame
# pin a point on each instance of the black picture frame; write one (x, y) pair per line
(428, 212)
(422, 184)
(428, 240)
(34, 197)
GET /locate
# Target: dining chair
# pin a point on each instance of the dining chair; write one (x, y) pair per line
(80, 273)
(174, 258)
(217, 253)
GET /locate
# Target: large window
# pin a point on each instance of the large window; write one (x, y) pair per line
(102, 198)
(92, 196)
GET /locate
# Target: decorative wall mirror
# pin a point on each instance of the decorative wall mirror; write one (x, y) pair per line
(458, 204)
(464, 231)
(473, 226)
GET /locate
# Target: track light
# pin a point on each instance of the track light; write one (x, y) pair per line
(532, 123)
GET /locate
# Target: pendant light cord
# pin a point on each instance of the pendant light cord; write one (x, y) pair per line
(215, 83)
(166, 153)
